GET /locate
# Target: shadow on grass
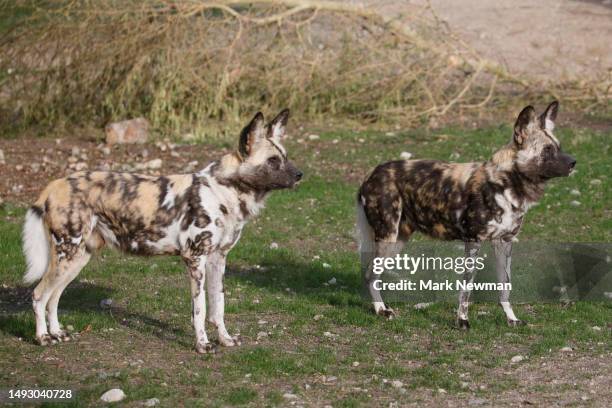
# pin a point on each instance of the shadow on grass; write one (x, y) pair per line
(346, 298)
(332, 284)
(17, 317)
(79, 301)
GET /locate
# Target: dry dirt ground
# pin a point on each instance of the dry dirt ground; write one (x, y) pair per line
(550, 40)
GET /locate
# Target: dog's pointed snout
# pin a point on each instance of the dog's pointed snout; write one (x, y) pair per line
(572, 163)
(299, 175)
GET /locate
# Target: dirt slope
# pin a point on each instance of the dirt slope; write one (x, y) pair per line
(544, 39)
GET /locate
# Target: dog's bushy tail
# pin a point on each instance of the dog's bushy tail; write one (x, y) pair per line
(35, 245)
(365, 234)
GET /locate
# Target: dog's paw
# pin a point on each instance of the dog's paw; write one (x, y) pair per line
(387, 313)
(463, 324)
(62, 336)
(46, 340)
(516, 323)
(230, 341)
(206, 348)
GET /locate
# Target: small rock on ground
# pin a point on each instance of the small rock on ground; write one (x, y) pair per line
(151, 402)
(113, 395)
(154, 164)
(420, 306)
(517, 359)
(106, 303)
(127, 131)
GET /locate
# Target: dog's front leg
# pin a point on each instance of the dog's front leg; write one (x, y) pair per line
(215, 271)
(196, 270)
(471, 251)
(503, 253)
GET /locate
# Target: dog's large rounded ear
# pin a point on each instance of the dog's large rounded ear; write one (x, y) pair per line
(547, 119)
(524, 120)
(251, 133)
(277, 127)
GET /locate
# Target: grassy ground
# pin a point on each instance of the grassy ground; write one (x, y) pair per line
(321, 342)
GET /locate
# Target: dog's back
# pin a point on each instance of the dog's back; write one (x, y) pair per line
(130, 211)
(429, 196)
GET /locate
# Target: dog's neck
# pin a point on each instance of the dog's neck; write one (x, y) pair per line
(526, 188)
(505, 157)
(250, 199)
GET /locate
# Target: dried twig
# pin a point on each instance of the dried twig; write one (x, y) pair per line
(200, 66)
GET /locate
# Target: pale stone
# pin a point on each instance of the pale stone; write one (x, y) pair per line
(127, 131)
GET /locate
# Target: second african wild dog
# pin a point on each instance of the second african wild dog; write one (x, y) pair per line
(471, 202)
(197, 216)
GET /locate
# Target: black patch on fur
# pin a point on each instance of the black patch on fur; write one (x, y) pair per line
(244, 209)
(164, 186)
(37, 210)
(195, 212)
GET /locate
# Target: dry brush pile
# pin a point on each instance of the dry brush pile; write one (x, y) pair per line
(204, 66)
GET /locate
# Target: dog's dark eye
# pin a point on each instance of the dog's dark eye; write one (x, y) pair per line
(274, 162)
(548, 152)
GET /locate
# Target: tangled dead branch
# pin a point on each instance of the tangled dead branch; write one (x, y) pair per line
(194, 65)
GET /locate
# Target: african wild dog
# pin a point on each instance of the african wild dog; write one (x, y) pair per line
(197, 216)
(471, 202)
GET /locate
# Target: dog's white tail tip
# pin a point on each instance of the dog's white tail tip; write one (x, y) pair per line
(35, 246)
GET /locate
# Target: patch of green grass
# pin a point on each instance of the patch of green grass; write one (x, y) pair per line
(144, 343)
(12, 13)
(240, 396)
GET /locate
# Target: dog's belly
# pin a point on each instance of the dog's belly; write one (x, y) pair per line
(470, 224)
(139, 239)
(436, 220)
(171, 239)
(441, 228)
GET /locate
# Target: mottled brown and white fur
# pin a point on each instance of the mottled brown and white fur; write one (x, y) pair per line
(471, 202)
(198, 216)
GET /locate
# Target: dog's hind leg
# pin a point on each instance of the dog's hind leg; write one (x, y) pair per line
(215, 270)
(68, 270)
(378, 241)
(40, 298)
(196, 268)
(503, 253)
(471, 251)
(383, 249)
(65, 263)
